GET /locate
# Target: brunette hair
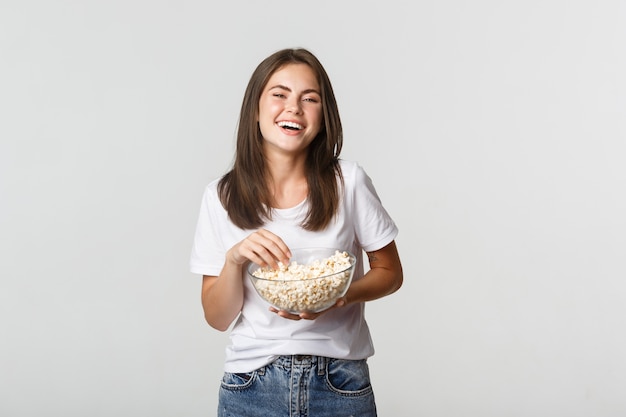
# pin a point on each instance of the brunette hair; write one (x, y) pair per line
(244, 191)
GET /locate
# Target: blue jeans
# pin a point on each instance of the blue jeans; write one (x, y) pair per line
(299, 386)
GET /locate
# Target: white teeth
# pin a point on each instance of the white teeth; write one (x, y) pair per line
(291, 124)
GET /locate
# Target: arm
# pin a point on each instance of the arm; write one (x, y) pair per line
(384, 277)
(222, 296)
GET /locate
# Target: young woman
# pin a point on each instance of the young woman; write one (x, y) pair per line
(288, 189)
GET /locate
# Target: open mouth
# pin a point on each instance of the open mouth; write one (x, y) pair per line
(290, 125)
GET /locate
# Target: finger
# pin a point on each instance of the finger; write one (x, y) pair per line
(309, 316)
(267, 249)
(251, 249)
(285, 314)
(275, 245)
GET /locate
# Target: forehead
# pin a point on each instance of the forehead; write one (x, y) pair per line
(299, 76)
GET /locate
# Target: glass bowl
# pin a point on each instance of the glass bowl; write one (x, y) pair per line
(312, 282)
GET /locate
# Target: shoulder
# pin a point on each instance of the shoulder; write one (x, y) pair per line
(353, 173)
(348, 166)
(210, 196)
(212, 186)
(350, 169)
(210, 190)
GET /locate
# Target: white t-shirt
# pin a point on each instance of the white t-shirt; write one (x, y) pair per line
(259, 336)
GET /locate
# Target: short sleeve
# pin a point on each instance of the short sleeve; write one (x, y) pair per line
(373, 225)
(207, 254)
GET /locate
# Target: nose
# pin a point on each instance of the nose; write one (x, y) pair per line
(293, 105)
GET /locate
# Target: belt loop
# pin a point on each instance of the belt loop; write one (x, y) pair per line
(261, 371)
(321, 365)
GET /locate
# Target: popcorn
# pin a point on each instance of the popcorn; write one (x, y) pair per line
(312, 287)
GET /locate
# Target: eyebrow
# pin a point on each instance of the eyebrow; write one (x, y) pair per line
(307, 91)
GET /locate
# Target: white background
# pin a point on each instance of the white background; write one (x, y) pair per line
(494, 132)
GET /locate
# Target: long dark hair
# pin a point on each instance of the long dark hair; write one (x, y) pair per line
(244, 191)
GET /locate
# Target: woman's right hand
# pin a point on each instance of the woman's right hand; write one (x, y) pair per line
(261, 247)
(222, 296)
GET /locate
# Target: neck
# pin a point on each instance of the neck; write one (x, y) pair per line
(287, 181)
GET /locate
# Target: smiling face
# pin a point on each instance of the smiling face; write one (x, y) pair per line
(290, 109)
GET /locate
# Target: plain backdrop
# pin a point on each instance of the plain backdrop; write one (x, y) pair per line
(494, 132)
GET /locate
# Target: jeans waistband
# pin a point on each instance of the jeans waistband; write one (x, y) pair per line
(310, 361)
